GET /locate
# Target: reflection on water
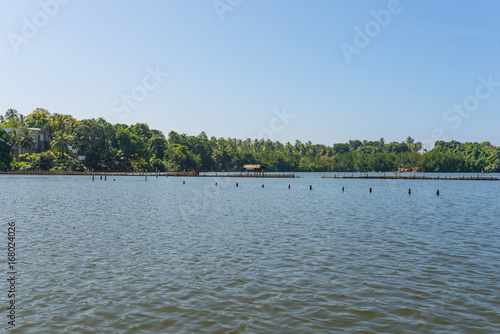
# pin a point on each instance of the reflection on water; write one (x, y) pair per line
(160, 256)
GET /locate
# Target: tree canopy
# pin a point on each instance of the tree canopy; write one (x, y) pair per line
(120, 147)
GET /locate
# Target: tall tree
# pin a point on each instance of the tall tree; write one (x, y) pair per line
(5, 150)
(11, 114)
(60, 142)
(39, 118)
(13, 140)
(381, 145)
(25, 140)
(115, 159)
(22, 120)
(92, 137)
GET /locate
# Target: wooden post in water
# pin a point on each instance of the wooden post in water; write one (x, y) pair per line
(101, 177)
(215, 183)
(262, 186)
(183, 182)
(146, 177)
(92, 174)
(409, 191)
(370, 190)
(236, 184)
(437, 192)
(288, 186)
(310, 187)
(105, 176)
(342, 188)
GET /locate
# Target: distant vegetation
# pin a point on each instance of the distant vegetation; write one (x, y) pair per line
(119, 147)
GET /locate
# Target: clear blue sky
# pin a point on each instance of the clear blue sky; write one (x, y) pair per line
(229, 68)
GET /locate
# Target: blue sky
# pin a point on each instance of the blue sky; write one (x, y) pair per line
(426, 69)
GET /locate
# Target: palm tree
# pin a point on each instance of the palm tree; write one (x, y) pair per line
(13, 140)
(22, 120)
(59, 143)
(11, 114)
(410, 141)
(116, 158)
(26, 140)
(417, 146)
(58, 122)
(381, 144)
(66, 123)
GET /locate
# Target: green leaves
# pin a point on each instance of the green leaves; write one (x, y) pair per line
(5, 150)
(121, 147)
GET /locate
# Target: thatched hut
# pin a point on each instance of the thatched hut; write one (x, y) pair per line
(256, 169)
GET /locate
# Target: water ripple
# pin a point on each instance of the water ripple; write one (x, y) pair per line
(165, 257)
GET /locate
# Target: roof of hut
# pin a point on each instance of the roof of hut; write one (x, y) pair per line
(254, 166)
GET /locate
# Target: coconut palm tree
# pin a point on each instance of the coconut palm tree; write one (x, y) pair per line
(26, 140)
(380, 145)
(116, 158)
(410, 142)
(11, 114)
(66, 123)
(13, 140)
(417, 146)
(22, 120)
(59, 143)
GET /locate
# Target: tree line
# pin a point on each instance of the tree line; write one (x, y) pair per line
(121, 147)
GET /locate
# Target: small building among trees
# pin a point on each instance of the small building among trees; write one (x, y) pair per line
(28, 140)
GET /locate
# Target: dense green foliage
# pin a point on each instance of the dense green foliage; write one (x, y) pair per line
(46, 161)
(120, 147)
(5, 150)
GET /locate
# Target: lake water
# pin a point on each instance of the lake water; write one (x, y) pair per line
(130, 256)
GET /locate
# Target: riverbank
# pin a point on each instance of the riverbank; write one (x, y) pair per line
(478, 177)
(153, 174)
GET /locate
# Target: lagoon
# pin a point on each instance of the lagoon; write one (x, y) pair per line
(130, 256)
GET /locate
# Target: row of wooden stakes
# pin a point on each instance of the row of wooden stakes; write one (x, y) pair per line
(289, 186)
(311, 188)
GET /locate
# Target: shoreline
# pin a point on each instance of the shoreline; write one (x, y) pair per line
(396, 176)
(478, 177)
(153, 174)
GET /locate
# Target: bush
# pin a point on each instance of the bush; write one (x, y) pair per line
(43, 161)
(5, 154)
(157, 163)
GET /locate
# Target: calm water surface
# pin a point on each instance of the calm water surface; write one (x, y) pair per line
(130, 256)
